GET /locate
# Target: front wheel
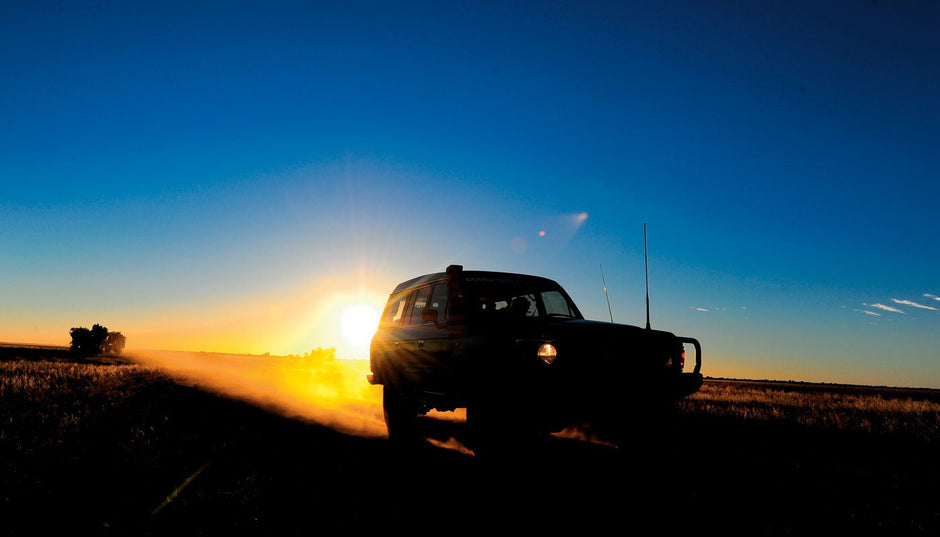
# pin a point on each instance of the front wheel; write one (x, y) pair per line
(401, 417)
(499, 433)
(637, 424)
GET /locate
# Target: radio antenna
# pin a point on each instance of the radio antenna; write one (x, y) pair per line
(605, 294)
(646, 259)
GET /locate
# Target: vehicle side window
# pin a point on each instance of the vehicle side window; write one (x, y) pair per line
(421, 303)
(517, 305)
(524, 306)
(395, 309)
(439, 301)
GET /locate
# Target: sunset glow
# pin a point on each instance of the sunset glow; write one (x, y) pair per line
(359, 324)
(251, 196)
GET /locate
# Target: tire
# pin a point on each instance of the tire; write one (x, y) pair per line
(499, 434)
(401, 417)
(638, 426)
(486, 438)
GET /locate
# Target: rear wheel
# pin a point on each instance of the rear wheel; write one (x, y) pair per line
(401, 416)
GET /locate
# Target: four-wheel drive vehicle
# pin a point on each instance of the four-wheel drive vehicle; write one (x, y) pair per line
(516, 352)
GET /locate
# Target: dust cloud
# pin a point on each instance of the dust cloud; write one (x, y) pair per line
(325, 390)
(320, 389)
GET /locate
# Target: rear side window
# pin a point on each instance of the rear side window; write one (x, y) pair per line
(421, 304)
(395, 309)
(439, 301)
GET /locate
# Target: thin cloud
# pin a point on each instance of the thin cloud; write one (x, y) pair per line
(934, 297)
(884, 308)
(872, 313)
(913, 304)
(700, 309)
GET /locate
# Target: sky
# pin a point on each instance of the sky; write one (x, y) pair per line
(233, 177)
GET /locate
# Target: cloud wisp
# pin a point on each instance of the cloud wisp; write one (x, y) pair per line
(913, 304)
(877, 309)
(714, 309)
(883, 307)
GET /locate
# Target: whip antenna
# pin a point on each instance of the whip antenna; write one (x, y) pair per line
(605, 294)
(646, 259)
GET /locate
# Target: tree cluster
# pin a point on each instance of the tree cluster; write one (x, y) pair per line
(97, 340)
(316, 355)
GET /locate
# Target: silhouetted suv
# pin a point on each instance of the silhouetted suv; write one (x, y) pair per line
(515, 352)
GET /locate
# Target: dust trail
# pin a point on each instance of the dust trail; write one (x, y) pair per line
(327, 391)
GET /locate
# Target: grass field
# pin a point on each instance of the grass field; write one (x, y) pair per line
(127, 448)
(878, 412)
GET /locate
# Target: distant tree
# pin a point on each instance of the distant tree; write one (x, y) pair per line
(96, 341)
(83, 344)
(98, 335)
(114, 343)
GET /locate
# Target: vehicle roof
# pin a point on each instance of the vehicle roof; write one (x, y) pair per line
(473, 276)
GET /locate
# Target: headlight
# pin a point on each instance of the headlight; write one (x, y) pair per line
(548, 353)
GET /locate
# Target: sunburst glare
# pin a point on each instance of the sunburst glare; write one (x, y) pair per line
(359, 324)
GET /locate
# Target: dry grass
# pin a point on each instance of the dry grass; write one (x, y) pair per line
(105, 448)
(873, 411)
(64, 399)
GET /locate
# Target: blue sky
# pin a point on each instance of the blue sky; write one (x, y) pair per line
(230, 176)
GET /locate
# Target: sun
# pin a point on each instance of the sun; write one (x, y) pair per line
(359, 324)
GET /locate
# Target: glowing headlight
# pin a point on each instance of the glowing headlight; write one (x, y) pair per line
(548, 352)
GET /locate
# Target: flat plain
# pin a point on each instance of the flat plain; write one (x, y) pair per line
(115, 447)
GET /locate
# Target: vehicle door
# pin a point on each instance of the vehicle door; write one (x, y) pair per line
(427, 343)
